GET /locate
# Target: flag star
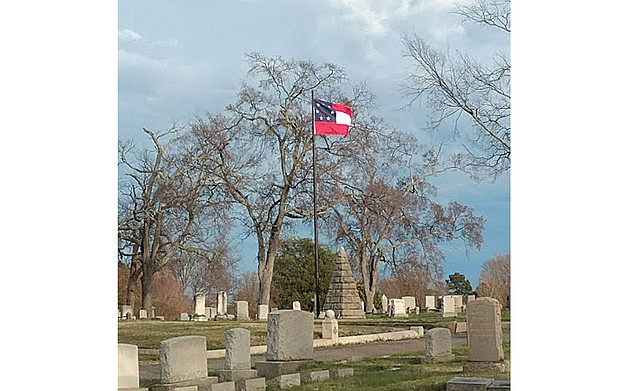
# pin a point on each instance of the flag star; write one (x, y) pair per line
(328, 118)
(317, 110)
(321, 118)
(332, 112)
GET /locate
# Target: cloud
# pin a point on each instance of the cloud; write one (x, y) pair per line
(128, 35)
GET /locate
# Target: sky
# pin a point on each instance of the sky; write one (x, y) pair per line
(60, 94)
(177, 60)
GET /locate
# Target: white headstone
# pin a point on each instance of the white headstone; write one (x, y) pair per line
(128, 377)
(397, 308)
(447, 307)
(297, 306)
(199, 304)
(222, 303)
(263, 310)
(430, 302)
(241, 311)
(384, 304)
(409, 303)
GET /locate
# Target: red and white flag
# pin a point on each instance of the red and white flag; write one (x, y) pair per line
(331, 118)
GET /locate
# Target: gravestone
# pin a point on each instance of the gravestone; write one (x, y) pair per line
(128, 370)
(183, 362)
(438, 346)
(409, 303)
(384, 304)
(263, 311)
(468, 384)
(284, 381)
(126, 312)
(297, 306)
(222, 303)
(447, 307)
(211, 312)
(142, 314)
(152, 314)
(289, 342)
(342, 296)
(430, 303)
(329, 326)
(241, 311)
(484, 336)
(397, 308)
(184, 316)
(199, 306)
(458, 303)
(237, 356)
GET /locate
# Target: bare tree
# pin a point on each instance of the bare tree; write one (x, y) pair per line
(263, 145)
(457, 85)
(495, 279)
(387, 215)
(163, 198)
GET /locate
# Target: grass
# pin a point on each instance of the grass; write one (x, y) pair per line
(398, 372)
(147, 334)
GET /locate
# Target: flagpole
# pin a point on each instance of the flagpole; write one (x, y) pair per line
(316, 230)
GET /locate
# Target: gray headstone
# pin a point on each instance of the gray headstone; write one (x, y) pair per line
(241, 310)
(468, 384)
(438, 345)
(289, 335)
(484, 330)
(237, 354)
(183, 358)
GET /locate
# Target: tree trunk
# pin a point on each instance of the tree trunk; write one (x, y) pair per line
(147, 295)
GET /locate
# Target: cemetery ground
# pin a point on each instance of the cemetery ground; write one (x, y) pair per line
(395, 369)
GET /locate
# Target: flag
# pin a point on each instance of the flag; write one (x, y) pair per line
(331, 118)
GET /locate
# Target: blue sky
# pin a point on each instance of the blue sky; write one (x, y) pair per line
(181, 59)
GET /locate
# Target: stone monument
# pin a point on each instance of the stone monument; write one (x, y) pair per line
(342, 296)
(237, 356)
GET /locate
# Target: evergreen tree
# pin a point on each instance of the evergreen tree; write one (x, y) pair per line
(459, 285)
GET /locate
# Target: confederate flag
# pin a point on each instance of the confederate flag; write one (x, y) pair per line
(331, 118)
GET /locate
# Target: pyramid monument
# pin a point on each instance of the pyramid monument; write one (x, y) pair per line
(342, 296)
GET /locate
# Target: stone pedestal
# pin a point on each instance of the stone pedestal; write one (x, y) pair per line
(275, 368)
(236, 374)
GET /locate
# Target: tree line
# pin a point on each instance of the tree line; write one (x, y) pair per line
(250, 167)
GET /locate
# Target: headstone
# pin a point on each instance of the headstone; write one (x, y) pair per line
(329, 328)
(314, 376)
(128, 372)
(384, 304)
(284, 381)
(257, 384)
(342, 296)
(418, 329)
(126, 312)
(184, 316)
(199, 305)
(484, 336)
(409, 303)
(430, 303)
(289, 342)
(222, 303)
(241, 310)
(417, 310)
(438, 346)
(289, 335)
(468, 384)
(211, 312)
(297, 306)
(339, 373)
(447, 307)
(142, 314)
(458, 303)
(183, 362)
(222, 386)
(237, 356)
(152, 314)
(499, 385)
(263, 311)
(397, 308)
